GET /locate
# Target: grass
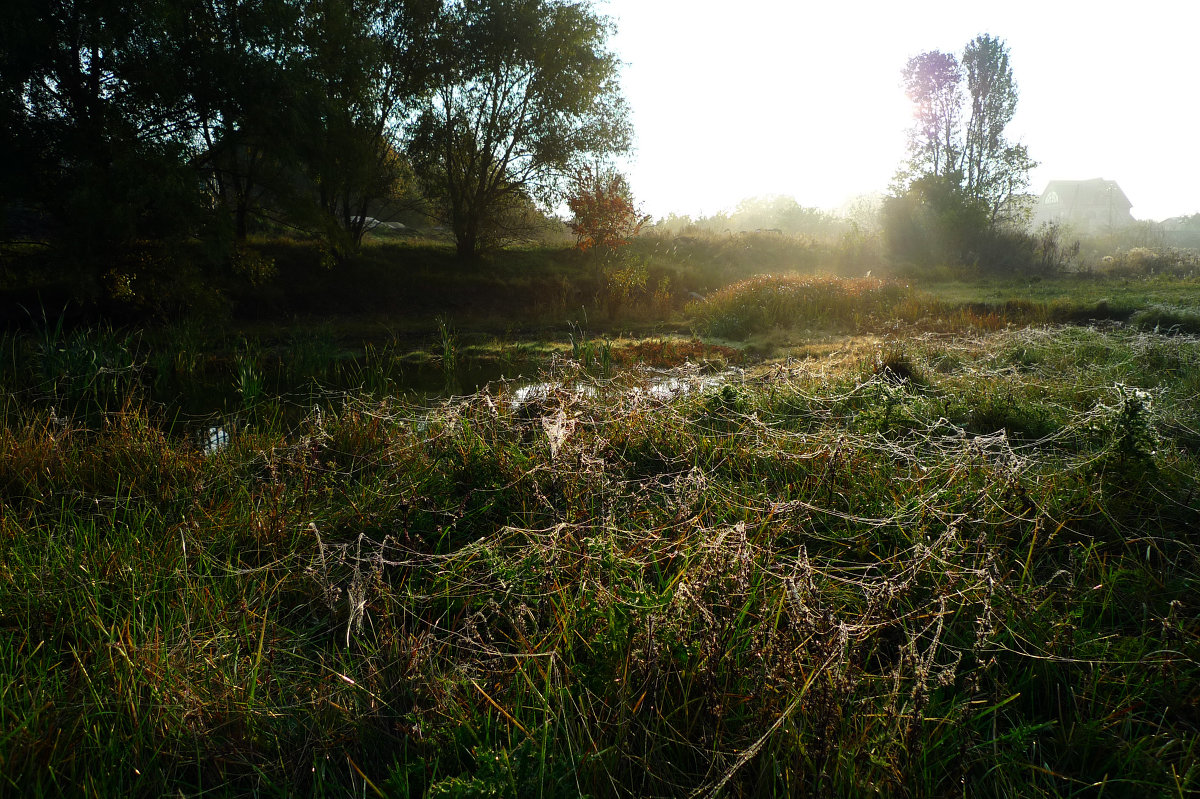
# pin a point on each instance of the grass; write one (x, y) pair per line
(938, 543)
(936, 565)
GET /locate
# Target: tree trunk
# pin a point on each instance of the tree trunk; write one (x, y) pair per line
(467, 246)
(239, 224)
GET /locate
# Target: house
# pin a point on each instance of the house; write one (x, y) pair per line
(1094, 206)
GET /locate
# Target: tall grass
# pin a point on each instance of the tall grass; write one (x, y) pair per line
(963, 567)
(767, 301)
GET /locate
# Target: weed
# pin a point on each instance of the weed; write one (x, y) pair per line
(590, 353)
(248, 374)
(449, 353)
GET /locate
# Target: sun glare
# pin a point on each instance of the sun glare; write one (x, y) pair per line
(778, 97)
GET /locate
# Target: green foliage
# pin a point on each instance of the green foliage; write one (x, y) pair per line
(89, 126)
(933, 222)
(590, 353)
(523, 90)
(506, 774)
(1130, 427)
(248, 374)
(625, 276)
(449, 353)
(86, 367)
(367, 68)
(974, 154)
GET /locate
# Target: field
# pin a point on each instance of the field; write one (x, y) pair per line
(806, 536)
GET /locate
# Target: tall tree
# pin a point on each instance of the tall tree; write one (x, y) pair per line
(994, 170)
(522, 90)
(367, 67)
(236, 62)
(933, 82)
(959, 193)
(98, 138)
(989, 169)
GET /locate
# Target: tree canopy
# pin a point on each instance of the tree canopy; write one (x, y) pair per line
(521, 90)
(988, 168)
(960, 195)
(158, 119)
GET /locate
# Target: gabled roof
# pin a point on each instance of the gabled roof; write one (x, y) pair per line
(1078, 193)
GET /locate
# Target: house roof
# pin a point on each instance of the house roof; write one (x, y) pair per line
(1079, 193)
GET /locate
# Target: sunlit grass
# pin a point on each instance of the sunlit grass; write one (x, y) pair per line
(916, 566)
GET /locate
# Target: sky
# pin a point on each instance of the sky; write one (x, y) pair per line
(731, 100)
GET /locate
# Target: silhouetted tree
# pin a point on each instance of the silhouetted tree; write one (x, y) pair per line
(366, 68)
(92, 130)
(988, 167)
(961, 191)
(994, 170)
(236, 63)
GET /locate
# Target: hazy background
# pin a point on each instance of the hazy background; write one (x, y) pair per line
(804, 99)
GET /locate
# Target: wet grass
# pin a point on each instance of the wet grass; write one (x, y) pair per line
(922, 566)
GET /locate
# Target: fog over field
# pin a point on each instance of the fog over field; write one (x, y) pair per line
(803, 99)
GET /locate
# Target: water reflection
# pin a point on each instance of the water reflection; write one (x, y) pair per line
(215, 439)
(658, 386)
(535, 392)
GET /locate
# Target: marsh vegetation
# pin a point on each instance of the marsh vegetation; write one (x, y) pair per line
(879, 538)
(328, 465)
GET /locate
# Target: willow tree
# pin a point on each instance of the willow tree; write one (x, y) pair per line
(522, 90)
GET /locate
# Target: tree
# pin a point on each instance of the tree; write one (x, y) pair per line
(933, 221)
(605, 214)
(93, 139)
(366, 68)
(522, 89)
(932, 82)
(236, 66)
(988, 167)
(994, 171)
(960, 194)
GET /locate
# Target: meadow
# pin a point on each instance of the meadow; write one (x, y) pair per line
(805, 535)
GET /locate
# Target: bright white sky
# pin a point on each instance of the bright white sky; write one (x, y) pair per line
(739, 99)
